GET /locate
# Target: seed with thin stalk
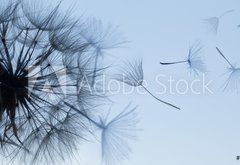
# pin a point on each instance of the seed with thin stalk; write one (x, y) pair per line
(102, 39)
(132, 75)
(115, 133)
(233, 79)
(213, 22)
(193, 60)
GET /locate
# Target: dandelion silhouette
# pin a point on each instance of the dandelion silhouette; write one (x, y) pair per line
(46, 105)
(213, 22)
(132, 75)
(193, 60)
(234, 74)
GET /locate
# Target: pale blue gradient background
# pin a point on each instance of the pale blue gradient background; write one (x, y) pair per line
(207, 130)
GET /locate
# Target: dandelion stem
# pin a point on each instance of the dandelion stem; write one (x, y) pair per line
(160, 99)
(170, 63)
(225, 58)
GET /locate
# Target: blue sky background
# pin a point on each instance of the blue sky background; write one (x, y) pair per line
(207, 130)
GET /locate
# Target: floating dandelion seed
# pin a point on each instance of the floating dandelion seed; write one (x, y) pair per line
(193, 60)
(132, 75)
(45, 101)
(101, 39)
(234, 74)
(213, 22)
(115, 133)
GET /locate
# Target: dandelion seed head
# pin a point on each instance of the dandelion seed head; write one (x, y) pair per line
(41, 66)
(47, 106)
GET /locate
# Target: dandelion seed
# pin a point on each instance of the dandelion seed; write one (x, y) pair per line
(132, 75)
(115, 133)
(193, 60)
(233, 79)
(101, 39)
(213, 22)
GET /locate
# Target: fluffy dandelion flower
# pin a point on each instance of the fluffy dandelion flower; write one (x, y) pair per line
(45, 101)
